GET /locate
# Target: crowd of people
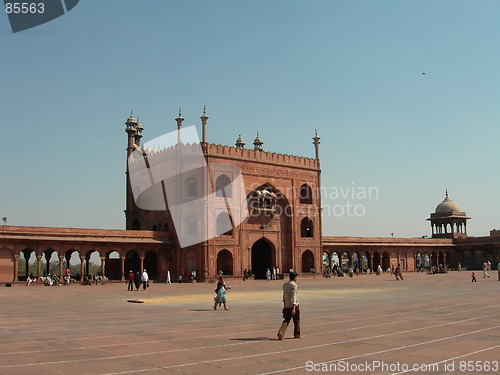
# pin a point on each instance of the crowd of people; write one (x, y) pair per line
(53, 280)
(137, 279)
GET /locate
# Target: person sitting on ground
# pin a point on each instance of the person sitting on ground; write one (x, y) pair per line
(29, 279)
(48, 280)
(55, 280)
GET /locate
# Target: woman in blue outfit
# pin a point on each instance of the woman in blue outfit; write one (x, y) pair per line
(221, 294)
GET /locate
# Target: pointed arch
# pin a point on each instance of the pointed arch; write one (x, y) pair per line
(225, 262)
(307, 261)
(223, 186)
(305, 194)
(262, 257)
(306, 227)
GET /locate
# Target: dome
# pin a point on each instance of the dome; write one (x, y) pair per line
(240, 142)
(447, 205)
(131, 120)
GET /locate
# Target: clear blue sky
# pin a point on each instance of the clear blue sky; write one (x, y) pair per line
(351, 69)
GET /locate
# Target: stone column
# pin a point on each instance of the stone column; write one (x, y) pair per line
(16, 268)
(103, 266)
(61, 259)
(141, 264)
(38, 266)
(82, 267)
(122, 266)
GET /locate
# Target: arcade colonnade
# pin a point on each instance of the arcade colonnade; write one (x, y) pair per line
(368, 253)
(112, 253)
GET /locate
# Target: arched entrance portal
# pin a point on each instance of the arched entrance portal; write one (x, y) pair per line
(307, 261)
(225, 262)
(132, 262)
(261, 258)
(150, 265)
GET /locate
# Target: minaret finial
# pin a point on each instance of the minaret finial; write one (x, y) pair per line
(204, 119)
(257, 143)
(316, 143)
(240, 143)
(446, 193)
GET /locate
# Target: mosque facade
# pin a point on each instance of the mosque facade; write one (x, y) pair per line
(259, 210)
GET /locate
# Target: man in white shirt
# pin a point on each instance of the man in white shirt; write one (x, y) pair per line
(290, 308)
(145, 280)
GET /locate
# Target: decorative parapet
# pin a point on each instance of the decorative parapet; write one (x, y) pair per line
(155, 156)
(262, 156)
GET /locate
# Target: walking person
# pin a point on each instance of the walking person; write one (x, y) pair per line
(130, 280)
(398, 273)
(290, 307)
(485, 271)
(169, 281)
(220, 298)
(473, 278)
(145, 280)
(137, 280)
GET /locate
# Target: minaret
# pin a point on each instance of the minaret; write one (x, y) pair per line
(130, 129)
(257, 143)
(138, 133)
(316, 143)
(240, 143)
(204, 119)
(179, 120)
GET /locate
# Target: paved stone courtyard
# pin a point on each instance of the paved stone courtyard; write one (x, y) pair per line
(367, 324)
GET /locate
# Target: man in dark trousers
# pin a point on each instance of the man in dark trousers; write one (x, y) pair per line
(290, 308)
(130, 280)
